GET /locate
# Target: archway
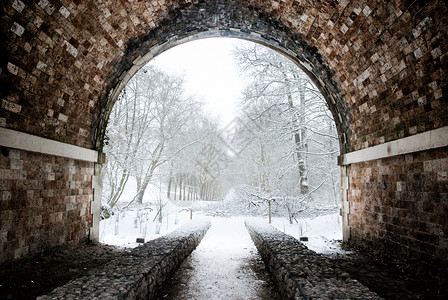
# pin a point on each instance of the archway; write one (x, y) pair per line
(264, 32)
(382, 67)
(309, 61)
(218, 170)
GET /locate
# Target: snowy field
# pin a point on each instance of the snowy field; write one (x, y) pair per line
(141, 221)
(324, 232)
(124, 227)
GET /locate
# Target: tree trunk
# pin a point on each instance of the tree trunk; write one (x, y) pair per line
(117, 194)
(299, 134)
(142, 189)
(175, 190)
(168, 193)
(180, 186)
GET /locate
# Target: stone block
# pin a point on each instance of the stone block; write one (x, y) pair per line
(141, 273)
(298, 272)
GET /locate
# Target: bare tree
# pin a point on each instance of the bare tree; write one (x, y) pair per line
(125, 132)
(294, 140)
(150, 112)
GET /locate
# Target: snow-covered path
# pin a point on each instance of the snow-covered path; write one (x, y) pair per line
(225, 265)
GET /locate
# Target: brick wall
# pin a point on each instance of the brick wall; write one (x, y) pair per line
(389, 59)
(383, 64)
(45, 201)
(400, 204)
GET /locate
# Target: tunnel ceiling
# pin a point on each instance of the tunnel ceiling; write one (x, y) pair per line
(381, 65)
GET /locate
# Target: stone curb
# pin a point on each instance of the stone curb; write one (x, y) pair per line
(300, 273)
(139, 273)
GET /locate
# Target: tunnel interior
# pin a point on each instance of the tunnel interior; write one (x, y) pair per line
(381, 67)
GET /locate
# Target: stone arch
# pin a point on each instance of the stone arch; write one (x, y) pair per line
(383, 64)
(260, 30)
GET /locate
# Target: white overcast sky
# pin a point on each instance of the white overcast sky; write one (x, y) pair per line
(210, 73)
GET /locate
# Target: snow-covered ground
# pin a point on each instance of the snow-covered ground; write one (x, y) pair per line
(223, 266)
(139, 221)
(124, 227)
(324, 232)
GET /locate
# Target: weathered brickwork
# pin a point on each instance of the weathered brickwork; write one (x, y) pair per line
(401, 204)
(45, 201)
(380, 64)
(60, 58)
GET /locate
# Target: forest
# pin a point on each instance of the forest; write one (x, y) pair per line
(279, 150)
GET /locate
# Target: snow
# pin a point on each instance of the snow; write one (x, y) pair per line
(123, 228)
(221, 267)
(323, 232)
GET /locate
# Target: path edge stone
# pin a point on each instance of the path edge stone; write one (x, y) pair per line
(300, 273)
(139, 274)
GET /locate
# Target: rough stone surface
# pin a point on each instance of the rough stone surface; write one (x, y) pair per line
(383, 63)
(399, 205)
(140, 273)
(40, 274)
(300, 273)
(45, 202)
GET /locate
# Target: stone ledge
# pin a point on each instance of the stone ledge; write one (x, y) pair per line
(420, 142)
(300, 273)
(139, 273)
(28, 142)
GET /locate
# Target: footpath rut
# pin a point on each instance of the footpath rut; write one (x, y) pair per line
(225, 265)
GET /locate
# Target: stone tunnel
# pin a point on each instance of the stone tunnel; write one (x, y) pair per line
(381, 65)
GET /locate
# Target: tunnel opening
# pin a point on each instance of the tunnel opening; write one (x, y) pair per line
(354, 94)
(282, 125)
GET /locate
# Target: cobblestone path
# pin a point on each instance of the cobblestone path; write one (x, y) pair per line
(226, 265)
